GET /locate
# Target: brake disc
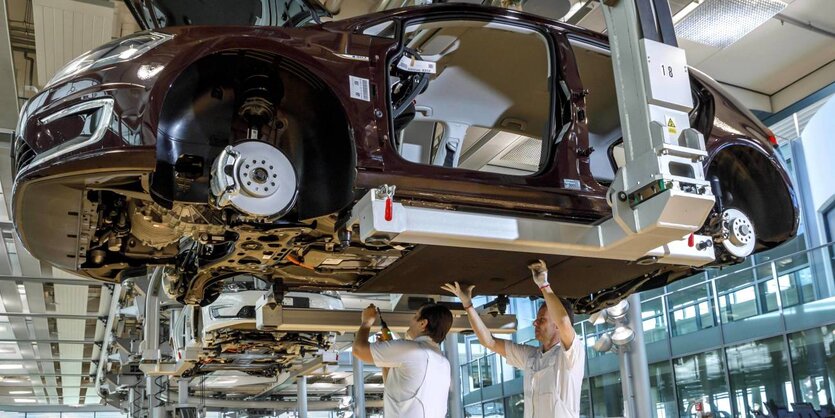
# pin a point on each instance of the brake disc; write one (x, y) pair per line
(255, 178)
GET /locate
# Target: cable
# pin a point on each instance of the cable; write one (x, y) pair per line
(296, 261)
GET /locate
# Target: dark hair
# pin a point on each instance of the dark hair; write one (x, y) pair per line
(439, 320)
(565, 304)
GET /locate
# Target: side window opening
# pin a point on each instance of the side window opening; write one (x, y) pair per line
(472, 95)
(603, 119)
(594, 64)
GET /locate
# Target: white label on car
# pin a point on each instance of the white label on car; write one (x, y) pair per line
(360, 88)
(287, 301)
(571, 184)
(415, 65)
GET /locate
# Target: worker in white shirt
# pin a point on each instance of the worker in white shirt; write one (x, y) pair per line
(418, 376)
(554, 371)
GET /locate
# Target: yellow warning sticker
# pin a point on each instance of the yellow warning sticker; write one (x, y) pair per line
(671, 126)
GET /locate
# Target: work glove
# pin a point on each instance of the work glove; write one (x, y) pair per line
(369, 315)
(464, 295)
(539, 271)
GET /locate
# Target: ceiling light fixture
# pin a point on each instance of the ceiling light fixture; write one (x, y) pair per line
(10, 366)
(25, 400)
(20, 392)
(573, 10)
(686, 10)
(719, 23)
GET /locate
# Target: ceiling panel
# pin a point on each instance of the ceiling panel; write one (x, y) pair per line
(768, 59)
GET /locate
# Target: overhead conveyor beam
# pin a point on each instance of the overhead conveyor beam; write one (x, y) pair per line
(271, 316)
(666, 240)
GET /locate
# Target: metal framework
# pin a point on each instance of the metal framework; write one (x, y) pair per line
(48, 315)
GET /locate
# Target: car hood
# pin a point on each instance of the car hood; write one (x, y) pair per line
(156, 14)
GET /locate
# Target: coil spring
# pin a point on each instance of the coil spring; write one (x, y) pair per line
(136, 406)
(162, 385)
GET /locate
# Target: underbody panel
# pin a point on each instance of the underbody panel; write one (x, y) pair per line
(500, 272)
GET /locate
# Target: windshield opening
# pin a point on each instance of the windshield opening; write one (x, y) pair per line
(163, 13)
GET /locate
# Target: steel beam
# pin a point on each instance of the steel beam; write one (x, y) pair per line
(230, 404)
(55, 280)
(50, 341)
(273, 317)
(48, 315)
(305, 369)
(40, 360)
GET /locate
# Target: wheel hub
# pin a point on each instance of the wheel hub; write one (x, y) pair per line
(738, 235)
(255, 178)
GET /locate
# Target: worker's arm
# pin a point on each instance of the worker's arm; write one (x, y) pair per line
(484, 336)
(361, 348)
(556, 310)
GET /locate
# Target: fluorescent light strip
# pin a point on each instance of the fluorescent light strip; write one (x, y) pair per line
(720, 23)
(686, 11)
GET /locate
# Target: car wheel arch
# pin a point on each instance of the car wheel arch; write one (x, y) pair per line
(752, 180)
(323, 149)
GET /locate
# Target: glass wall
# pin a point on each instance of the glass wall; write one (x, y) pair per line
(691, 305)
(701, 378)
(696, 322)
(813, 362)
(606, 395)
(759, 374)
(662, 390)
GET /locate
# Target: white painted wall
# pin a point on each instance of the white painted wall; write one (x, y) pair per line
(818, 152)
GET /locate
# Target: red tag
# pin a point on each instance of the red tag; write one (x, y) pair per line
(691, 240)
(698, 406)
(388, 209)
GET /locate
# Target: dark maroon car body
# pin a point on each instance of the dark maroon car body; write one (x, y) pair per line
(342, 148)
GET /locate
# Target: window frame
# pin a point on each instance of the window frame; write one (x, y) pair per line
(548, 152)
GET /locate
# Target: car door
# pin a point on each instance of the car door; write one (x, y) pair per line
(477, 113)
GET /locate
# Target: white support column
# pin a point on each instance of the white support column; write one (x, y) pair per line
(634, 367)
(301, 382)
(182, 391)
(359, 388)
(456, 404)
(636, 357)
(150, 328)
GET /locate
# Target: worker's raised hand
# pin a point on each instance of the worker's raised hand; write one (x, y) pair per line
(465, 295)
(369, 315)
(539, 271)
